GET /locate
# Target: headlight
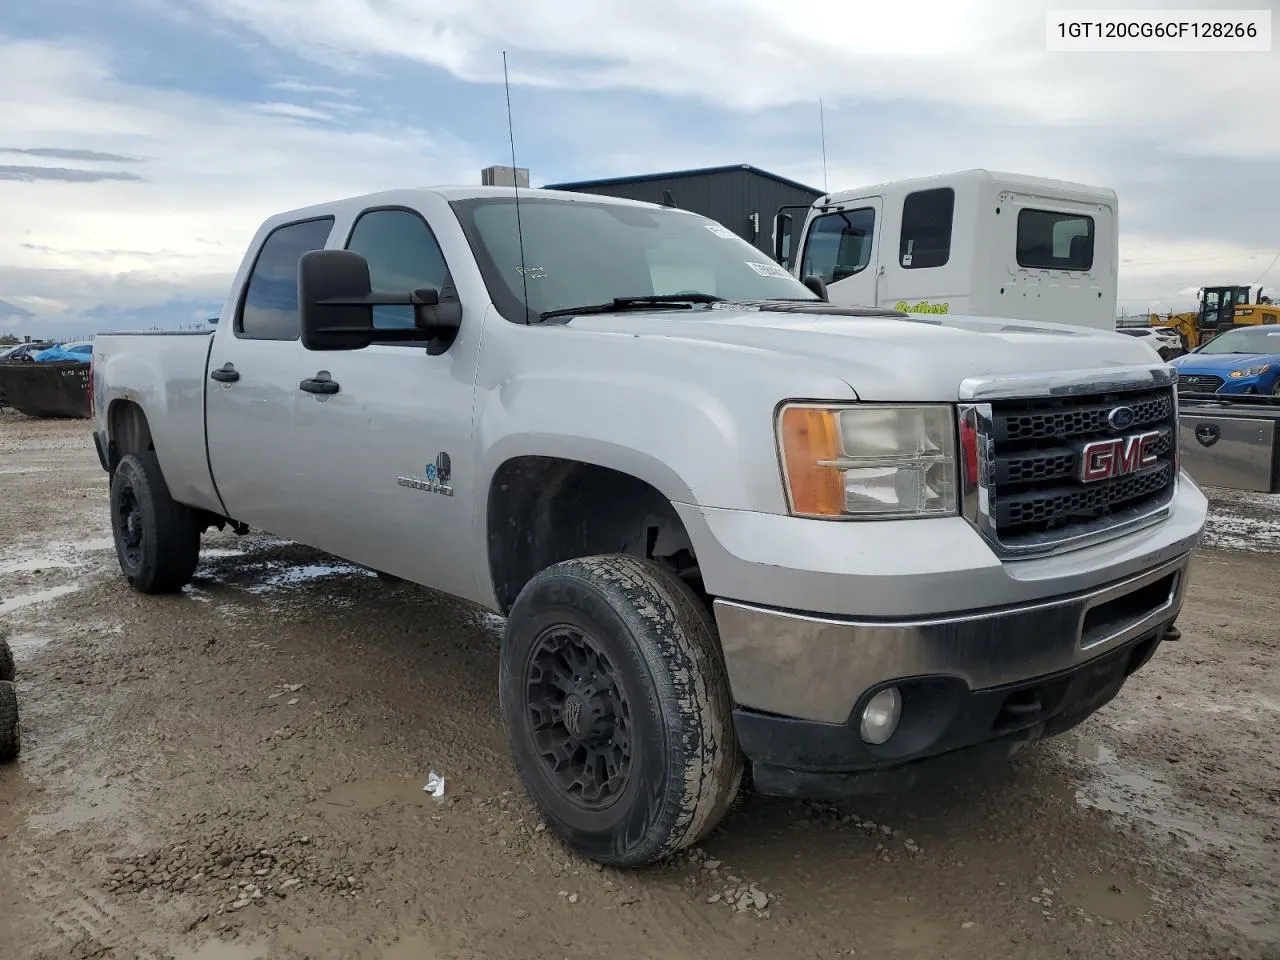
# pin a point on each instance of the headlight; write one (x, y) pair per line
(873, 461)
(1251, 372)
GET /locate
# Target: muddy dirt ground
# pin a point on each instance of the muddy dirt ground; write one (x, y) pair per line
(237, 773)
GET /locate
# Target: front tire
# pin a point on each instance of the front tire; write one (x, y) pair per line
(157, 538)
(616, 704)
(10, 728)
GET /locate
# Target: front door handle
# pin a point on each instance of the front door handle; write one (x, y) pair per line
(225, 374)
(321, 383)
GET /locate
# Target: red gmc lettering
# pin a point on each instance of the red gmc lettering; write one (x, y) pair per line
(1107, 459)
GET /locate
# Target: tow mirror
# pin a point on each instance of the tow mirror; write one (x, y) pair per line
(337, 304)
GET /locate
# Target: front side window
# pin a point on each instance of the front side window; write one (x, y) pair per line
(1052, 240)
(839, 244)
(270, 308)
(579, 253)
(403, 256)
(926, 228)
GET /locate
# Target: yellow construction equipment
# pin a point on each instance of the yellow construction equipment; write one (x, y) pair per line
(1221, 308)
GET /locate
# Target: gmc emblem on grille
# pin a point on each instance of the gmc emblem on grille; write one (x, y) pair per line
(1108, 459)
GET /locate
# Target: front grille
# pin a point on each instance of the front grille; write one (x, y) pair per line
(1199, 383)
(1034, 452)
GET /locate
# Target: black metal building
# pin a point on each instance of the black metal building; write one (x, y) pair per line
(741, 197)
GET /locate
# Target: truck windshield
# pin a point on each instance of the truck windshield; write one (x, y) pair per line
(578, 253)
(1257, 340)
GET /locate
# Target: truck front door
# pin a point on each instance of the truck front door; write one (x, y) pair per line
(841, 248)
(390, 451)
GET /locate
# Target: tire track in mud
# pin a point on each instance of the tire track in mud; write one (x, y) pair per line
(78, 921)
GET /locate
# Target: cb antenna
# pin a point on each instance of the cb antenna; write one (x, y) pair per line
(515, 185)
(822, 130)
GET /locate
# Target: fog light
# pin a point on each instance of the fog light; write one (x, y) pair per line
(880, 718)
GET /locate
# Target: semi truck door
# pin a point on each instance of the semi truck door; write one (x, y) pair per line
(841, 247)
(251, 390)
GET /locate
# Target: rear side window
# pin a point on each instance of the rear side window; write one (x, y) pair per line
(270, 309)
(1052, 240)
(839, 244)
(926, 228)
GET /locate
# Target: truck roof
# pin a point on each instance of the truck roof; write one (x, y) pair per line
(461, 192)
(977, 175)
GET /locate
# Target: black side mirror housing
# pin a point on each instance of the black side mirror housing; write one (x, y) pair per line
(781, 231)
(336, 301)
(818, 286)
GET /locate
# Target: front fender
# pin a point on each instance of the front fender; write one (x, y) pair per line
(694, 422)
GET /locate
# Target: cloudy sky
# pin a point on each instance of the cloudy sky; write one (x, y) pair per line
(142, 141)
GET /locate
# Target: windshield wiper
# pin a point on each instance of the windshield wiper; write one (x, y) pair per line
(618, 304)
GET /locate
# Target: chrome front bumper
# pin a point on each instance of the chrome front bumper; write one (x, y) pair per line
(818, 668)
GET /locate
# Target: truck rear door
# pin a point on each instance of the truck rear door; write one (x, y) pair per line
(259, 461)
(1058, 260)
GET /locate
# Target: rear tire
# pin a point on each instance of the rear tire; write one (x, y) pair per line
(611, 665)
(10, 727)
(157, 538)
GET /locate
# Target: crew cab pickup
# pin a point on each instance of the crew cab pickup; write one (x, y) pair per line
(734, 529)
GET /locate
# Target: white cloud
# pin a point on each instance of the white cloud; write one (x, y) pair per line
(295, 110)
(909, 90)
(747, 54)
(212, 170)
(298, 86)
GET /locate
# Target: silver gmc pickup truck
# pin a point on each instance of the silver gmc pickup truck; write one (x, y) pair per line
(737, 532)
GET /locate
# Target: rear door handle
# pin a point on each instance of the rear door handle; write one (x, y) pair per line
(225, 374)
(319, 384)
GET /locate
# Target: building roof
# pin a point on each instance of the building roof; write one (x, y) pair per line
(675, 174)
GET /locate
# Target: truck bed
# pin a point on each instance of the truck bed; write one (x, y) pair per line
(166, 375)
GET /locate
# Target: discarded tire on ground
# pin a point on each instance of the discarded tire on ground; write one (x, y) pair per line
(616, 704)
(10, 727)
(7, 669)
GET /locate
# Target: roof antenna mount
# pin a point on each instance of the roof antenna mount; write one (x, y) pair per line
(667, 199)
(515, 185)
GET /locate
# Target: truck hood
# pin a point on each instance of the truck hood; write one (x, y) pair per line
(883, 357)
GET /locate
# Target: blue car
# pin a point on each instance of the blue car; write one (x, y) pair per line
(1245, 360)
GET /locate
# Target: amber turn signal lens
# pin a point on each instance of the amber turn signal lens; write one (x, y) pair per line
(811, 436)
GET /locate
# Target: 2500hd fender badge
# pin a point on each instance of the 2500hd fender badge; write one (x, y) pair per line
(436, 479)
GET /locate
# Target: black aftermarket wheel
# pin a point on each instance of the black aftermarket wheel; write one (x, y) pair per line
(617, 708)
(157, 539)
(10, 728)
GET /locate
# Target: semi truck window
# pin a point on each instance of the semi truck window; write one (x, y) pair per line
(1053, 240)
(839, 244)
(926, 228)
(403, 255)
(270, 307)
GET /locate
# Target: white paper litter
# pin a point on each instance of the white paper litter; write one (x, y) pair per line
(435, 784)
